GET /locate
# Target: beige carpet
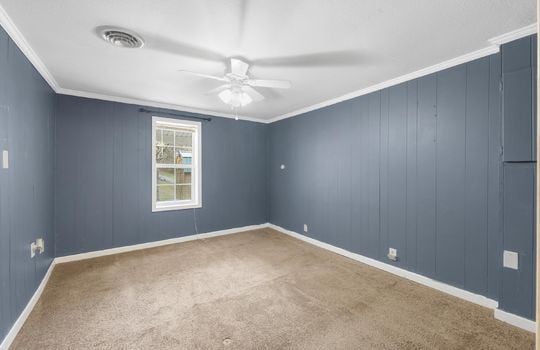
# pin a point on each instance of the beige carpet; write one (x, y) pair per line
(252, 290)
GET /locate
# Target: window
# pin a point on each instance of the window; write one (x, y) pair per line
(176, 164)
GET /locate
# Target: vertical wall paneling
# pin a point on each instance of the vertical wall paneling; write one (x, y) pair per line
(476, 175)
(5, 237)
(383, 176)
(411, 174)
(103, 177)
(517, 288)
(451, 132)
(397, 171)
(494, 173)
(519, 115)
(517, 67)
(427, 175)
(360, 149)
(27, 186)
(426, 172)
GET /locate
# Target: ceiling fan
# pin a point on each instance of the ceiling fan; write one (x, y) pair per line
(238, 89)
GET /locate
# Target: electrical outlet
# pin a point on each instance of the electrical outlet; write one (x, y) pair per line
(392, 254)
(305, 228)
(40, 245)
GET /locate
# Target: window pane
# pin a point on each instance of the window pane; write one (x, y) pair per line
(168, 137)
(158, 135)
(181, 156)
(165, 175)
(184, 140)
(164, 155)
(165, 193)
(183, 176)
(183, 192)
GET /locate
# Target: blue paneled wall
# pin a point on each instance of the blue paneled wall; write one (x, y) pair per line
(26, 187)
(103, 177)
(420, 167)
(519, 114)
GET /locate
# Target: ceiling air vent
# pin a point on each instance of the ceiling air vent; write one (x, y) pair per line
(120, 37)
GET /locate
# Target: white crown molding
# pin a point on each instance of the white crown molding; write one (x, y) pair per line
(395, 81)
(10, 337)
(515, 320)
(17, 37)
(141, 102)
(514, 35)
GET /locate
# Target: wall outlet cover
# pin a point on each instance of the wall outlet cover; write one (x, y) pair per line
(40, 245)
(392, 254)
(510, 259)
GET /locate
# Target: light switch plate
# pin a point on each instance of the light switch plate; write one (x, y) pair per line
(5, 159)
(510, 259)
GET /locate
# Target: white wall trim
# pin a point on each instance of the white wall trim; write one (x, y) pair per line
(514, 35)
(18, 38)
(426, 281)
(475, 298)
(515, 320)
(481, 300)
(146, 103)
(10, 337)
(395, 81)
(24, 46)
(129, 248)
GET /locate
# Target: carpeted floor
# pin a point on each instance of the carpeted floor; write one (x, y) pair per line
(251, 290)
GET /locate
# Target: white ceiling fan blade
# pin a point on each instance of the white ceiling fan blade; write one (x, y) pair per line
(277, 84)
(202, 75)
(218, 89)
(254, 94)
(239, 67)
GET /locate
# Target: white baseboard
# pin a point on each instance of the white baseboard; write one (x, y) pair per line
(10, 337)
(426, 281)
(129, 248)
(515, 320)
(481, 300)
(6, 343)
(457, 292)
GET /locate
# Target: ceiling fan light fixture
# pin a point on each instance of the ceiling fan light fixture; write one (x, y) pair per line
(236, 98)
(226, 96)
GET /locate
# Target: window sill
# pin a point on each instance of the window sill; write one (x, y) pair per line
(176, 207)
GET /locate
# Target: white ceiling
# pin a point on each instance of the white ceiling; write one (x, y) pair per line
(326, 48)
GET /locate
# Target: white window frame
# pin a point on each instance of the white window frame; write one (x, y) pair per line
(196, 200)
